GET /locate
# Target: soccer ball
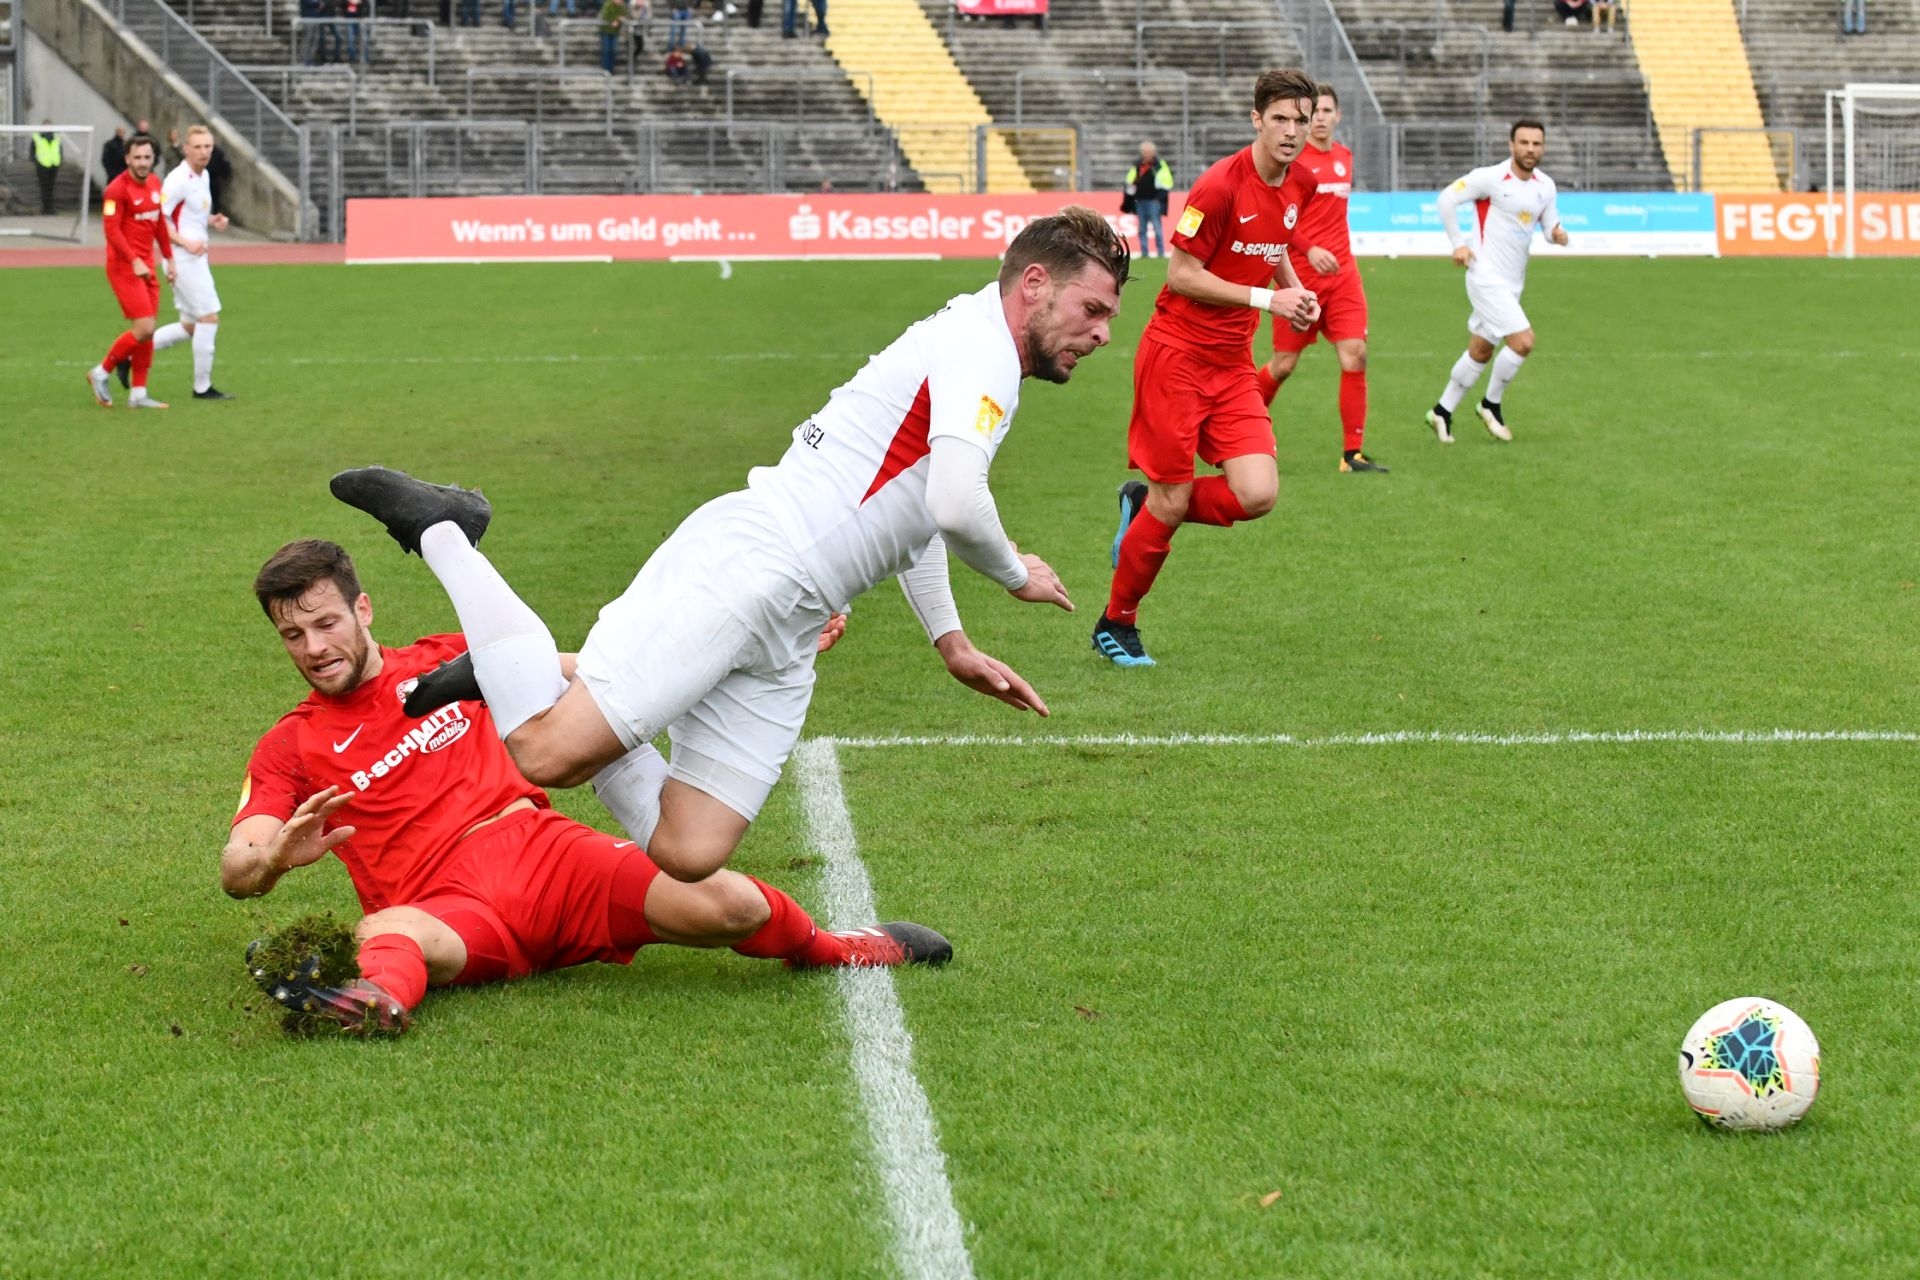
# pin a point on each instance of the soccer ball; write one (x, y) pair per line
(1750, 1064)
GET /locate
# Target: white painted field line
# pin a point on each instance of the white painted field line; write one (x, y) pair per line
(929, 1242)
(1569, 738)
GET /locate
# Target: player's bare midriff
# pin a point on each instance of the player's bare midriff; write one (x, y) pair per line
(517, 806)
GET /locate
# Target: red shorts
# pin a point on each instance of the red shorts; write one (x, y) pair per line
(1343, 311)
(1183, 406)
(139, 296)
(533, 891)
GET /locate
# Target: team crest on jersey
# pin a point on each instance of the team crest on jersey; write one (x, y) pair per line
(990, 417)
(1293, 215)
(406, 687)
(1190, 221)
(1525, 218)
(1339, 170)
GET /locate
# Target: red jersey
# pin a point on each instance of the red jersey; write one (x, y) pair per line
(418, 785)
(130, 214)
(1323, 224)
(1238, 226)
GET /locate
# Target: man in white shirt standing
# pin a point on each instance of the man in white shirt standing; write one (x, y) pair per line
(1511, 200)
(714, 641)
(186, 201)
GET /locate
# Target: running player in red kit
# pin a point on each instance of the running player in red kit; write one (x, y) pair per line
(1194, 390)
(1322, 257)
(464, 872)
(130, 213)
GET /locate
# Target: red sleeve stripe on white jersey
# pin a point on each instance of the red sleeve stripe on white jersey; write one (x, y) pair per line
(909, 443)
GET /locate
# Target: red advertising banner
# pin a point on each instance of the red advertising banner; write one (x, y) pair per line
(664, 228)
(1815, 225)
(1001, 8)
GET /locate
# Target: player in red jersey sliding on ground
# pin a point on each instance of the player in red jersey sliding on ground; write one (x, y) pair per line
(130, 213)
(1322, 257)
(464, 872)
(1194, 390)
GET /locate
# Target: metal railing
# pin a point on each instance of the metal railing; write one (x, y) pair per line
(1783, 151)
(1416, 43)
(227, 93)
(287, 75)
(784, 78)
(1251, 49)
(1105, 78)
(541, 78)
(1565, 86)
(1427, 154)
(1324, 46)
(367, 31)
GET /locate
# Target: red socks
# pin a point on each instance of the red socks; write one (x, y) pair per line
(142, 361)
(121, 349)
(1269, 385)
(1353, 407)
(394, 963)
(790, 934)
(1142, 551)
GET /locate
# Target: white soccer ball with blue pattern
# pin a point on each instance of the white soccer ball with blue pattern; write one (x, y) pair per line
(1750, 1064)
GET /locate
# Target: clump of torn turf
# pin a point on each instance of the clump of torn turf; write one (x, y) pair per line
(283, 951)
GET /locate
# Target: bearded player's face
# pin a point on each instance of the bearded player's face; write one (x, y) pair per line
(327, 637)
(140, 162)
(1074, 320)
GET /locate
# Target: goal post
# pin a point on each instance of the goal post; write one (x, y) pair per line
(1878, 133)
(22, 203)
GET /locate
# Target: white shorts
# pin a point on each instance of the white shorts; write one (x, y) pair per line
(193, 292)
(714, 644)
(1496, 311)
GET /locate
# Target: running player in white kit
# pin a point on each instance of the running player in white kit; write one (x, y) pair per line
(186, 201)
(714, 641)
(1511, 200)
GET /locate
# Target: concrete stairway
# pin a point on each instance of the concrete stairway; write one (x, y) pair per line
(1698, 77)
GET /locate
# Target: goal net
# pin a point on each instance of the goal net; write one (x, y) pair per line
(36, 203)
(1873, 133)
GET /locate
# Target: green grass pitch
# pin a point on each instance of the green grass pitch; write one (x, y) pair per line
(1431, 994)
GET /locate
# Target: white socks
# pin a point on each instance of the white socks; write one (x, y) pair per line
(202, 355)
(168, 335)
(1505, 365)
(630, 789)
(514, 655)
(1466, 372)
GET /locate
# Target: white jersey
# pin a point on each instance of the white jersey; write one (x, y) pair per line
(186, 201)
(1508, 208)
(851, 491)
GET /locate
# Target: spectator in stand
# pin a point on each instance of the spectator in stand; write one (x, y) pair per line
(113, 156)
(702, 63)
(1506, 15)
(1853, 17)
(506, 14)
(553, 9)
(175, 156)
(1571, 10)
(354, 11)
(679, 16)
(219, 174)
(612, 14)
(677, 65)
(46, 163)
(469, 13)
(1603, 14)
(820, 19)
(1149, 185)
(323, 42)
(790, 17)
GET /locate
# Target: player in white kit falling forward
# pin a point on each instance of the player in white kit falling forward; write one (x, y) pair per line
(1511, 199)
(186, 201)
(714, 641)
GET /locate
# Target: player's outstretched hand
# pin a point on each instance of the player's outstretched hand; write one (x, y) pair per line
(986, 674)
(831, 633)
(302, 840)
(1043, 585)
(1559, 236)
(1463, 256)
(1323, 261)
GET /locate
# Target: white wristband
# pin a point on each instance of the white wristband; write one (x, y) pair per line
(1260, 299)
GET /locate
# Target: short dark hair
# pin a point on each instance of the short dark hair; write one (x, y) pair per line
(143, 140)
(1287, 82)
(299, 567)
(1518, 125)
(1325, 91)
(1063, 243)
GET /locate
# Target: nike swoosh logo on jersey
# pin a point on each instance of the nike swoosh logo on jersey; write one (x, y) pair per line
(338, 747)
(1249, 218)
(623, 844)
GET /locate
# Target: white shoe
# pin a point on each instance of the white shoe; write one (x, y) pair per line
(1440, 429)
(1490, 414)
(102, 388)
(140, 400)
